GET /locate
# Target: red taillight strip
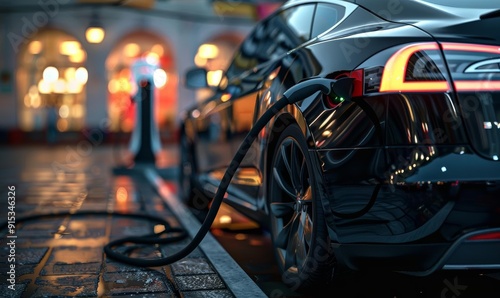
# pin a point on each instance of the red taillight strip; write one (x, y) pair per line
(393, 77)
(486, 236)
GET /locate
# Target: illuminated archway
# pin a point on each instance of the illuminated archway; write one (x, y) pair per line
(139, 47)
(51, 80)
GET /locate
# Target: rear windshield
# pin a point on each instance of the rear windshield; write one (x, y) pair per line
(493, 4)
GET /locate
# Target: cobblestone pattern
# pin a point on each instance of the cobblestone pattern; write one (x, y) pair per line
(64, 256)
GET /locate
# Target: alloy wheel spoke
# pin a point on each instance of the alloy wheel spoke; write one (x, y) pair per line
(293, 242)
(308, 225)
(304, 179)
(287, 188)
(284, 235)
(295, 174)
(285, 160)
(282, 209)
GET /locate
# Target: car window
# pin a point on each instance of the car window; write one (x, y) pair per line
(270, 39)
(299, 19)
(325, 17)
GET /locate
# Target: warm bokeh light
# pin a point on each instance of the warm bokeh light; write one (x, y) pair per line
(159, 78)
(27, 100)
(225, 97)
(94, 34)
(81, 75)
(64, 111)
(46, 80)
(141, 54)
(73, 86)
(32, 100)
(158, 49)
(44, 87)
(214, 77)
(60, 86)
(159, 228)
(198, 61)
(69, 73)
(225, 219)
(152, 58)
(121, 194)
(125, 73)
(33, 90)
(131, 50)
(127, 125)
(113, 86)
(78, 57)
(36, 101)
(35, 47)
(124, 85)
(62, 125)
(240, 236)
(69, 47)
(50, 74)
(208, 51)
(77, 111)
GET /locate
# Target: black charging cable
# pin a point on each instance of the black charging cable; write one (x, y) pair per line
(296, 93)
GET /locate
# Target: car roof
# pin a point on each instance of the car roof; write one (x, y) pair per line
(408, 10)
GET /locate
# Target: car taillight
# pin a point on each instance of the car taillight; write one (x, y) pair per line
(473, 67)
(415, 68)
(421, 68)
(485, 236)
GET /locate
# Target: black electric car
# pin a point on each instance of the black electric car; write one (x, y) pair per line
(398, 169)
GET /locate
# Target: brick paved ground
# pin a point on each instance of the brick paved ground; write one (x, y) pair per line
(64, 256)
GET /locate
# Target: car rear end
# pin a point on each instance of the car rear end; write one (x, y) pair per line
(472, 60)
(441, 203)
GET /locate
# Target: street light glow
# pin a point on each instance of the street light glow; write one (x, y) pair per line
(94, 34)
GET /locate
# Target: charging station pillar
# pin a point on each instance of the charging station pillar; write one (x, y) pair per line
(145, 141)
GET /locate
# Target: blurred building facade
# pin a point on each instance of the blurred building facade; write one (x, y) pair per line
(68, 65)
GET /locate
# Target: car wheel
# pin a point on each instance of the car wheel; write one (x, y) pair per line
(298, 228)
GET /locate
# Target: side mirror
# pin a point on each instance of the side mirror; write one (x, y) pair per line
(196, 78)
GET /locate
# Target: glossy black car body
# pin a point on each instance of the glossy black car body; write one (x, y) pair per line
(405, 175)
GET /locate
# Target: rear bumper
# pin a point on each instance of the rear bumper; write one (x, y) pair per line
(473, 254)
(423, 259)
(410, 194)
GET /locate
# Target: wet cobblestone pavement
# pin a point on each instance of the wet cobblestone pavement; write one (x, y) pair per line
(64, 256)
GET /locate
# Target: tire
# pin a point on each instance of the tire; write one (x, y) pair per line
(298, 228)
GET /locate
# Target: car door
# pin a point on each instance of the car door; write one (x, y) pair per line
(244, 86)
